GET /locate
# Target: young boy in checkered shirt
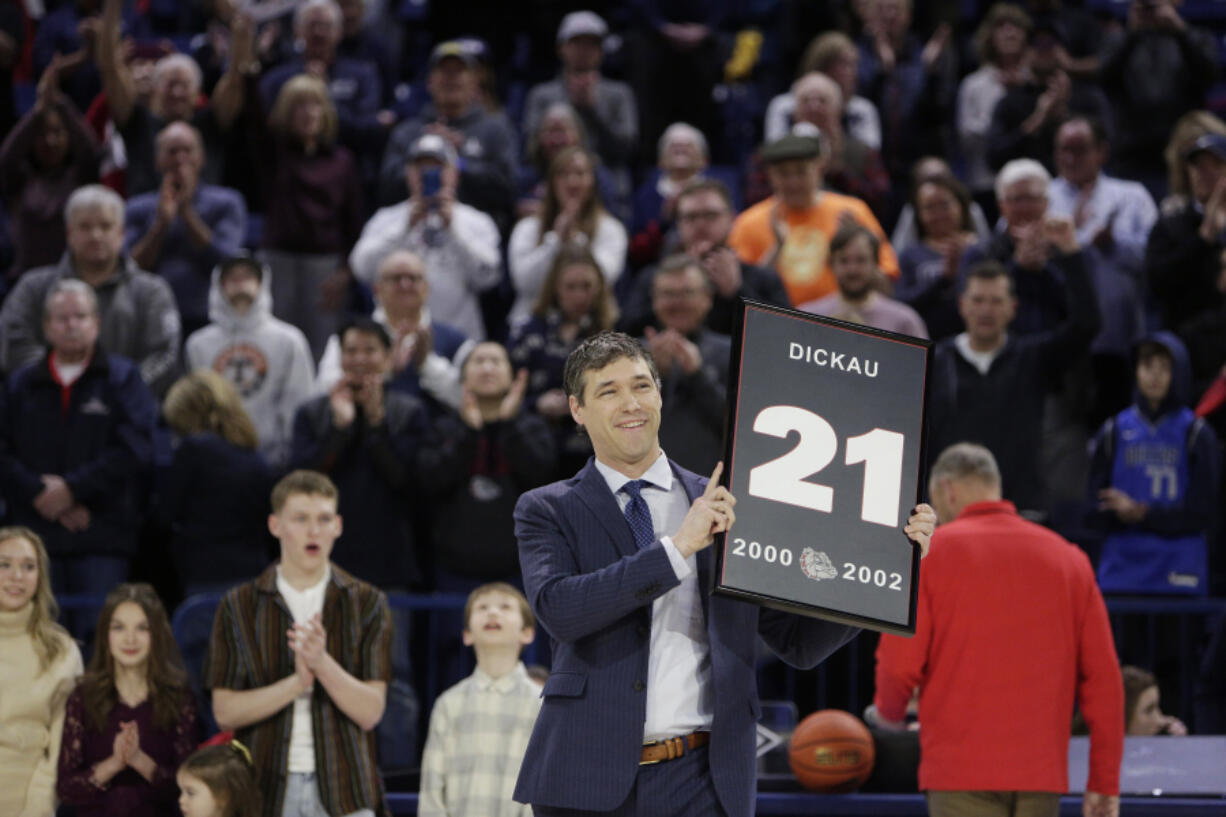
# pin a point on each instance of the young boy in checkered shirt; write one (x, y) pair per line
(480, 727)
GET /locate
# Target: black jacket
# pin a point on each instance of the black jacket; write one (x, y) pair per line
(476, 478)
(376, 471)
(100, 442)
(1003, 409)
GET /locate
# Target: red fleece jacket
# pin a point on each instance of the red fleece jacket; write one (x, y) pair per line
(1010, 630)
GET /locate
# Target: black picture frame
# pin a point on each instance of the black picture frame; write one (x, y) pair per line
(901, 399)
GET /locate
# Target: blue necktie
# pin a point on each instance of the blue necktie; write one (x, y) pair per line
(638, 515)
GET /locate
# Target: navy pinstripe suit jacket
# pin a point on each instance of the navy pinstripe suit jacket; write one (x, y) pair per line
(592, 590)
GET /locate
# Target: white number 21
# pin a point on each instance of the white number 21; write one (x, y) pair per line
(784, 479)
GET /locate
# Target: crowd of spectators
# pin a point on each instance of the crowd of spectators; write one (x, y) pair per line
(362, 237)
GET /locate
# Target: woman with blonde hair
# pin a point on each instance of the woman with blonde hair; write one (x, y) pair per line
(1181, 258)
(574, 303)
(1001, 45)
(571, 211)
(41, 663)
(132, 718)
(314, 210)
(215, 492)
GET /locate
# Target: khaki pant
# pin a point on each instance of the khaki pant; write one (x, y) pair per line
(993, 804)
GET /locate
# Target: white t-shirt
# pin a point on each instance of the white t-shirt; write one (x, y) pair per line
(302, 605)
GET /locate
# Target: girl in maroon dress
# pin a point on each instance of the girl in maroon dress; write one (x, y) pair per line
(132, 718)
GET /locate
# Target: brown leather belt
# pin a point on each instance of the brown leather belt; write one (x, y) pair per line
(672, 748)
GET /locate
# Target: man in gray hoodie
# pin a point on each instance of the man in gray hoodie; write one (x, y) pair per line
(268, 360)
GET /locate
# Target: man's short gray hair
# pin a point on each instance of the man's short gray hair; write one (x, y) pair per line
(169, 63)
(73, 286)
(1020, 170)
(965, 461)
(683, 130)
(306, 8)
(93, 196)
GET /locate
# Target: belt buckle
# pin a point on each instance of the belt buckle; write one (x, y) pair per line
(651, 762)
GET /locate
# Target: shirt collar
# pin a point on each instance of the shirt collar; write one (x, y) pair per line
(283, 586)
(660, 474)
(501, 685)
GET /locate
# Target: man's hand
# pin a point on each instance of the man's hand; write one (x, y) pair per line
(1100, 805)
(470, 410)
(76, 518)
(1061, 235)
(514, 401)
(663, 349)
(581, 87)
(169, 199)
(444, 204)
(55, 499)
(710, 514)
(1030, 249)
(309, 641)
(687, 355)
(1166, 16)
(724, 269)
(553, 403)
(920, 525)
(1122, 505)
(341, 401)
(371, 397)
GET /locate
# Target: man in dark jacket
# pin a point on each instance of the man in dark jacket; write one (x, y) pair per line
(485, 456)
(367, 438)
(76, 441)
(704, 219)
(989, 386)
(693, 364)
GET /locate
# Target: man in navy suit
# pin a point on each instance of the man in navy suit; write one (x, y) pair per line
(652, 703)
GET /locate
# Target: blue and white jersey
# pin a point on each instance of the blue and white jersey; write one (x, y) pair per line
(1151, 466)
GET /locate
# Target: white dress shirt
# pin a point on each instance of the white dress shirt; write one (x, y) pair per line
(679, 657)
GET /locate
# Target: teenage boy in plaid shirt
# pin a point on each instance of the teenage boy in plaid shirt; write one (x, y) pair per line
(299, 663)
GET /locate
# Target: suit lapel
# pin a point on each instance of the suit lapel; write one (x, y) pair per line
(595, 493)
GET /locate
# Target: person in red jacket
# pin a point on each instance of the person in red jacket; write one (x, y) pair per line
(1011, 631)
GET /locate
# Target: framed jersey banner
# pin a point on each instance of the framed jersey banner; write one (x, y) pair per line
(824, 454)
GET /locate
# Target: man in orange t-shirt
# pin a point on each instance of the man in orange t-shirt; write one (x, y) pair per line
(791, 230)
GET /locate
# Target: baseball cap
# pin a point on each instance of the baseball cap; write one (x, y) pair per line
(793, 146)
(582, 24)
(452, 48)
(1215, 143)
(432, 146)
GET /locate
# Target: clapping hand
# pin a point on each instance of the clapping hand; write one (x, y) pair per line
(308, 640)
(514, 400)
